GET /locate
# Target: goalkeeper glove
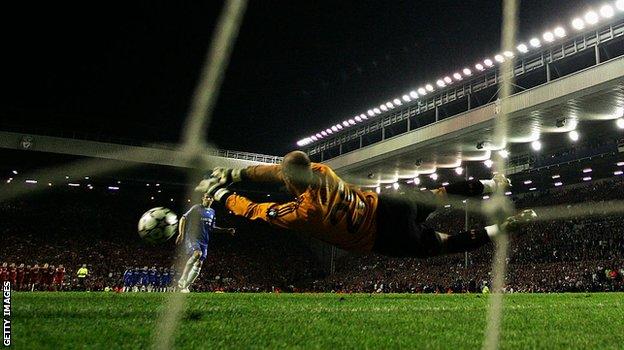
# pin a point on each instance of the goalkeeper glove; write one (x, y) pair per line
(214, 188)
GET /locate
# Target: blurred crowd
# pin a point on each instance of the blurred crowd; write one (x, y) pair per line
(45, 242)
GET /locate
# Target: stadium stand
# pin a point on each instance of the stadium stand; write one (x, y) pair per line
(98, 227)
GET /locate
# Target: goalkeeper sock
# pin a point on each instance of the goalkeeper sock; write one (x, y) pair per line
(469, 188)
(466, 241)
(192, 276)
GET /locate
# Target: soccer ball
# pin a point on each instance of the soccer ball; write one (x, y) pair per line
(157, 225)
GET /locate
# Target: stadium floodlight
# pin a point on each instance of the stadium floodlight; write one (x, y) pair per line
(383, 108)
(422, 91)
(620, 123)
(591, 17)
(499, 58)
(459, 170)
(448, 80)
(503, 153)
(440, 83)
(619, 172)
(324, 133)
(556, 176)
(319, 136)
(528, 182)
(606, 11)
(351, 122)
(14, 172)
(363, 116)
(314, 138)
(334, 128)
(31, 181)
(329, 131)
(357, 118)
(619, 4)
(587, 170)
(406, 98)
(416, 180)
(395, 186)
(535, 42)
(508, 54)
(389, 105)
(429, 87)
(345, 123)
(574, 135)
(488, 163)
(549, 37)
(559, 32)
(557, 184)
(467, 72)
(578, 24)
(397, 102)
(371, 113)
(536, 145)
(488, 62)
(414, 94)
(378, 189)
(434, 176)
(619, 163)
(376, 110)
(587, 178)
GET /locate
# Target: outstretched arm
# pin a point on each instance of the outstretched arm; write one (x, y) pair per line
(288, 215)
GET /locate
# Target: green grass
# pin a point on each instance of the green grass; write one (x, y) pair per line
(327, 321)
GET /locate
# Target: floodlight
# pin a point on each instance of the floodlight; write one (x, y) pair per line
(606, 11)
(591, 17)
(559, 32)
(578, 24)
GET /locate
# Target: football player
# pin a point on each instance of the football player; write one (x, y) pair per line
(331, 210)
(194, 230)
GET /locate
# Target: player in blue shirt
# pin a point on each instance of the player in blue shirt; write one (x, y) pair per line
(144, 279)
(194, 229)
(127, 280)
(153, 279)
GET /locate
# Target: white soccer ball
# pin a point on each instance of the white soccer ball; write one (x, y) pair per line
(158, 225)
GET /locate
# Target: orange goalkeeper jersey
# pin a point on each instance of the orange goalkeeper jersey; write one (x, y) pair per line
(329, 210)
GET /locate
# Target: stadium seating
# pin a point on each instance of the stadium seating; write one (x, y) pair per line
(99, 228)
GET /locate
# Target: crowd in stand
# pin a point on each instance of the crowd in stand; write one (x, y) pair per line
(584, 253)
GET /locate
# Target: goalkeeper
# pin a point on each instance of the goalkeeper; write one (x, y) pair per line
(341, 214)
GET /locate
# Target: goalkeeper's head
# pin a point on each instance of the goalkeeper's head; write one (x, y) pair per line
(297, 172)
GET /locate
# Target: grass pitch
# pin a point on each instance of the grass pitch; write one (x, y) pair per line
(326, 321)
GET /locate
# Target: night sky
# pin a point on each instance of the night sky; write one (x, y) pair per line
(298, 66)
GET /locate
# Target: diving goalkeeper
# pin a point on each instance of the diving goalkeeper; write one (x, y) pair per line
(333, 211)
